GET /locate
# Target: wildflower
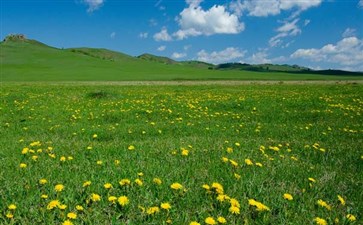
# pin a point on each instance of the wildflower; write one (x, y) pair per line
(237, 144)
(25, 151)
(12, 207)
(320, 221)
(259, 206)
(99, 162)
(341, 200)
(22, 165)
(165, 206)
(72, 215)
(94, 136)
(62, 206)
(248, 162)
(107, 185)
(152, 210)
(9, 215)
(95, 197)
(131, 147)
(312, 179)
(140, 174)
(53, 204)
(112, 199)
(221, 220)
(222, 198)
(44, 196)
(138, 182)
(35, 157)
(206, 186)
(79, 208)
(225, 159)
(324, 204)
(288, 197)
(123, 200)
(67, 222)
(185, 152)
(176, 186)
(157, 181)
(63, 158)
(218, 187)
(234, 210)
(117, 162)
(194, 223)
(258, 164)
(237, 176)
(59, 187)
(351, 217)
(210, 221)
(124, 182)
(233, 163)
(234, 202)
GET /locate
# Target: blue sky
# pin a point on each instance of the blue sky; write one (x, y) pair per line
(319, 34)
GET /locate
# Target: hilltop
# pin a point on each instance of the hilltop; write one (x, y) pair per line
(24, 59)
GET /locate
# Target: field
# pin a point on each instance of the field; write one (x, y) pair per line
(205, 154)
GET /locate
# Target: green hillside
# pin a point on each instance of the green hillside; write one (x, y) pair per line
(29, 60)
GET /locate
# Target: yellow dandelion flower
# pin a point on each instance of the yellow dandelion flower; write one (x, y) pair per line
(94, 136)
(63, 159)
(131, 147)
(124, 182)
(233, 163)
(95, 197)
(62, 206)
(12, 207)
(79, 208)
(194, 223)
(237, 176)
(72, 215)
(225, 159)
(123, 200)
(341, 200)
(152, 210)
(59, 187)
(25, 151)
(320, 221)
(112, 199)
(218, 188)
(248, 162)
(99, 162)
(259, 206)
(86, 183)
(9, 215)
(234, 202)
(237, 144)
(53, 204)
(70, 158)
(35, 157)
(222, 198)
(234, 210)
(140, 174)
(176, 186)
(206, 186)
(351, 217)
(67, 222)
(324, 204)
(22, 165)
(138, 182)
(311, 179)
(44, 196)
(210, 221)
(165, 206)
(117, 161)
(258, 164)
(107, 185)
(229, 150)
(157, 181)
(185, 152)
(221, 220)
(288, 197)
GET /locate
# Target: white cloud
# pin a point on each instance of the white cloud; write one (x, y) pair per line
(93, 4)
(177, 55)
(113, 35)
(163, 35)
(306, 22)
(347, 52)
(193, 3)
(289, 28)
(349, 32)
(226, 55)
(271, 7)
(360, 4)
(161, 48)
(261, 57)
(143, 35)
(194, 21)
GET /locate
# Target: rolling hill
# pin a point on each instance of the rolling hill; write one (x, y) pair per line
(23, 59)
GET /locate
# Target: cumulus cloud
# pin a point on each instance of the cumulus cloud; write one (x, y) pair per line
(163, 35)
(289, 28)
(93, 4)
(226, 55)
(347, 52)
(349, 32)
(360, 4)
(143, 35)
(177, 55)
(271, 7)
(195, 21)
(161, 48)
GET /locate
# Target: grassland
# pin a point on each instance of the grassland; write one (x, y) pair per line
(29, 60)
(66, 146)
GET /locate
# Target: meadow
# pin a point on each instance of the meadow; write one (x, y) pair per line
(205, 154)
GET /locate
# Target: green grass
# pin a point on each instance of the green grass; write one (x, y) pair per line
(33, 61)
(317, 129)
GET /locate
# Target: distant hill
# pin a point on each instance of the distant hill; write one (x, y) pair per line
(23, 59)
